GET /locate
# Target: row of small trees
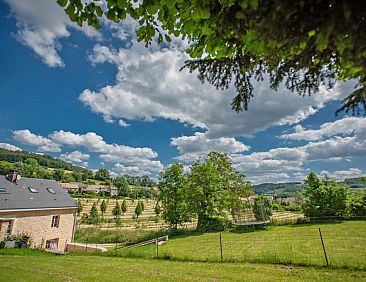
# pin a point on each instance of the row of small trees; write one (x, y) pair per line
(118, 210)
(208, 191)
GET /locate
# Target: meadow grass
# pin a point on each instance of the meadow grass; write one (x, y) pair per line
(20, 265)
(345, 244)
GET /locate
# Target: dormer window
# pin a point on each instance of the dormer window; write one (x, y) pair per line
(51, 190)
(33, 190)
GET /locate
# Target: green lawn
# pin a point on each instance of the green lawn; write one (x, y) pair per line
(16, 265)
(345, 245)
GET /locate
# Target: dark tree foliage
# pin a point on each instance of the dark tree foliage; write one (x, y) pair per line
(102, 174)
(262, 208)
(42, 160)
(325, 197)
(299, 43)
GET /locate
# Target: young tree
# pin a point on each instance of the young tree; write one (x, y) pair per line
(124, 206)
(138, 209)
(103, 207)
(157, 209)
(324, 197)
(262, 208)
(116, 210)
(173, 196)
(94, 215)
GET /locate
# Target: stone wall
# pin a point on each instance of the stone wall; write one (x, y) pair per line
(37, 225)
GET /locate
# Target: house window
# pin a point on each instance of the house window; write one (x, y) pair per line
(52, 244)
(55, 221)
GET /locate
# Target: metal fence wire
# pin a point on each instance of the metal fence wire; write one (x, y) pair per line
(321, 245)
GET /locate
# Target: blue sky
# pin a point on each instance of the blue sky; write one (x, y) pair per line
(100, 98)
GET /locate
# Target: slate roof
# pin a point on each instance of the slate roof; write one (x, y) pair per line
(15, 196)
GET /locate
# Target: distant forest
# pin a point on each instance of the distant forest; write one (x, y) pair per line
(47, 167)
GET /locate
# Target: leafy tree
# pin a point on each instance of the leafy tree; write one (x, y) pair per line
(300, 43)
(78, 176)
(262, 208)
(122, 185)
(358, 203)
(102, 174)
(324, 197)
(214, 188)
(124, 206)
(116, 210)
(58, 174)
(94, 215)
(157, 209)
(103, 207)
(173, 195)
(139, 209)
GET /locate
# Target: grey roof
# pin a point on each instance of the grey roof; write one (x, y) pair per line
(18, 195)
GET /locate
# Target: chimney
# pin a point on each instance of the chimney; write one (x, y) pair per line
(13, 176)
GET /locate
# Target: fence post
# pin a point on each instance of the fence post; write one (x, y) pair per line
(157, 246)
(86, 245)
(325, 253)
(115, 249)
(221, 247)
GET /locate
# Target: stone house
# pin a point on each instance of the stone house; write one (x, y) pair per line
(38, 208)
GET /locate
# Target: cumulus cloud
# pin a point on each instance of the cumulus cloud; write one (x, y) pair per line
(96, 143)
(43, 144)
(144, 158)
(41, 24)
(344, 126)
(149, 85)
(75, 157)
(146, 167)
(9, 147)
(198, 145)
(340, 175)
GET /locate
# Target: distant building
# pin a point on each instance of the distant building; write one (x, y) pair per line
(38, 208)
(94, 188)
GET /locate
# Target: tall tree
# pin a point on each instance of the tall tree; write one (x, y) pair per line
(300, 43)
(102, 174)
(324, 197)
(122, 185)
(214, 188)
(173, 195)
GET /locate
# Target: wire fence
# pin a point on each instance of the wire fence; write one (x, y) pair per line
(334, 245)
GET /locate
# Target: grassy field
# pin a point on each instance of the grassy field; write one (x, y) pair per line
(18, 265)
(345, 244)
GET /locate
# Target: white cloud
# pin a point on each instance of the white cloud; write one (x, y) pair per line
(41, 24)
(340, 175)
(9, 147)
(193, 147)
(122, 123)
(96, 143)
(142, 167)
(75, 157)
(43, 144)
(344, 126)
(149, 85)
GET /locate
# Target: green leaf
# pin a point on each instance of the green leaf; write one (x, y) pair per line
(62, 3)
